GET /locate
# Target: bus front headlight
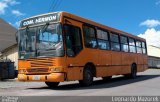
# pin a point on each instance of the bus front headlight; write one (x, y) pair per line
(22, 71)
(56, 69)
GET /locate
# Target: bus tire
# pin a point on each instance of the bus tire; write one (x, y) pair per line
(87, 76)
(108, 78)
(52, 84)
(133, 73)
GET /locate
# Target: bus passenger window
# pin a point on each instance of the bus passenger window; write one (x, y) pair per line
(73, 40)
(89, 37)
(124, 43)
(139, 46)
(132, 47)
(144, 48)
(103, 42)
(114, 38)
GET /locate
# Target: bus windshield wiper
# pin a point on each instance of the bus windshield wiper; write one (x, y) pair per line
(26, 30)
(45, 27)
(26, 37)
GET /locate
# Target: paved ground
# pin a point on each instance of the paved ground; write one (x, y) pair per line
(147, 83)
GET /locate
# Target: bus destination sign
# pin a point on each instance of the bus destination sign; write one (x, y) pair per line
(40, 20)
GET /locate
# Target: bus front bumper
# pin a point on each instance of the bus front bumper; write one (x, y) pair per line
(54, 77)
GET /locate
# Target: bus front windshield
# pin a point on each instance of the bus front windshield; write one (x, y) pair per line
(41, 41)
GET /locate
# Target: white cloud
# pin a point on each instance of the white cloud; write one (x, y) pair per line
(11, 2)
(158, 3)
(4, 4)
(150, 23)
(152, 37)
(17, 13)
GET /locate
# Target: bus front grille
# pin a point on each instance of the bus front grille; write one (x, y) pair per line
(37, 70)
(42, 62)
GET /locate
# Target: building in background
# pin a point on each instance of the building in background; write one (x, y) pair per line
(8, 46)
(153, 56)
(11, 53)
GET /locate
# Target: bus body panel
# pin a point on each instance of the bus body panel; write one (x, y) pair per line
(106, 62)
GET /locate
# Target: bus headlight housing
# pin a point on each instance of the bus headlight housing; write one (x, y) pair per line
(22, 71)
(56, 69)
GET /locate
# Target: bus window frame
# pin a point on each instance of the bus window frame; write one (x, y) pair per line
(115, 33)
(109, 32)
(145, 45)
(66, 42)
(108, 35)
(124, 43)
(138, 46)
(38, 25)
(94, 27)
(132, 45)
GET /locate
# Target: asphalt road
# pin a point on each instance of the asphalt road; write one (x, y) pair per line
(147, 83)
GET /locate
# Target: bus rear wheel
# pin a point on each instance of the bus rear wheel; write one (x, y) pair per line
(87, 77)
(52, 84)
(133, 73)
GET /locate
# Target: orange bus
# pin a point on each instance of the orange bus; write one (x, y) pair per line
(59, 46)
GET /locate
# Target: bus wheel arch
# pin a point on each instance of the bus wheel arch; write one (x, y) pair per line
(89, 72)
(93, 68)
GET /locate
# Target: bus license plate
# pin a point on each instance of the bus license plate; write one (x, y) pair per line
(36, 78)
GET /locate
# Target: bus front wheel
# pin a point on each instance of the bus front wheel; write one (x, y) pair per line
(52, 84)
(87, 77)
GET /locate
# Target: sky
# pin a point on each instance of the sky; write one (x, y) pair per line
(138, 17)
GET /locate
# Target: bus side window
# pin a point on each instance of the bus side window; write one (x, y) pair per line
(124, 43)
(102, 37)
(139, 46)
(73, 40)
(89, 37)
(144, 48)
(132, 47)
(115, 45)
